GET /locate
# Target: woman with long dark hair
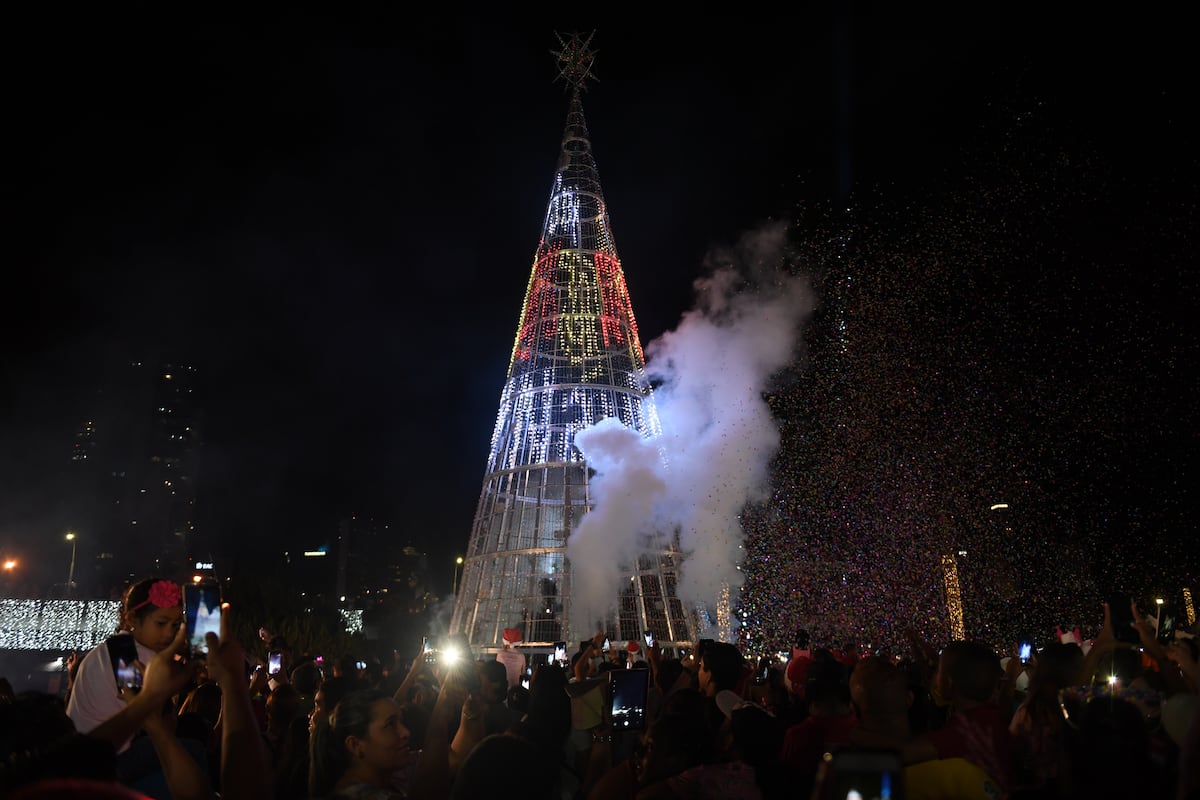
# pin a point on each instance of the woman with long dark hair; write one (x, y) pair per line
(1037, 725)
(359, 749)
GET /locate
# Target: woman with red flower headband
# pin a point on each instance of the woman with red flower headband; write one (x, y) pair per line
(151, 613)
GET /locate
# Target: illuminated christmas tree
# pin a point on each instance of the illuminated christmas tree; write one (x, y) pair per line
(577, 360)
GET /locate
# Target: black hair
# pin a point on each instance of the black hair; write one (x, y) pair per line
(518, 699)
(668, 672)
(38, 741)
(499, 754)
(495, 674)
(827, 680)
(548, 708)
(330, 758)
(1110, 752)
(334, 689)
(416, 719)
(724, 663)
(135, 600)
(1057, 667)
(306, 678)
(974, 668)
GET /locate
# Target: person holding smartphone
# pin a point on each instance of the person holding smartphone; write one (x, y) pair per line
(1038, 728)
(151, 615)
(151, 630)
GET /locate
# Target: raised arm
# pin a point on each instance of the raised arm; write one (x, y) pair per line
(184, 775)
(245, 770)
(431, 775)
(1103, 645)
(414, 672)
(162, 678)
(1152, 647)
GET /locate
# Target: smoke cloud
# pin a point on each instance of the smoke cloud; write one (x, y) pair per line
(718, 435)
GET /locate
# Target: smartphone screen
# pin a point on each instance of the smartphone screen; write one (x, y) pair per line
(606, 645)
(864, 774)
(560, 652)
(1025, 652)
(202, 607)
(122, 652)
(649, 638)
(1166, 626)
(1122, 619)
(274, 663)
(628, 691)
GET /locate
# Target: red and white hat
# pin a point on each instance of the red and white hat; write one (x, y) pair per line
(633, 647)
(512, 636)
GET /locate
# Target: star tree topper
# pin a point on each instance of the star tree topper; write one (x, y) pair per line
(575, 60)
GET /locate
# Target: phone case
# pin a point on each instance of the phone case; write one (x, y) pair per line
(122, 653)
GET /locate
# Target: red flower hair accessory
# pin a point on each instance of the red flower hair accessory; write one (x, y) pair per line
(164, 594)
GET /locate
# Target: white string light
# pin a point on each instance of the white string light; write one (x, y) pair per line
(56, 624)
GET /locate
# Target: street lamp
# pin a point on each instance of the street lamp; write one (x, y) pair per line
(74, 540)
(457, 565)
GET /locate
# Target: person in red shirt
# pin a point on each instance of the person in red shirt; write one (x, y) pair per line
(827, 728)
(968, 676)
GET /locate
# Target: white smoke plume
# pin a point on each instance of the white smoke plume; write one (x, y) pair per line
(718, 435)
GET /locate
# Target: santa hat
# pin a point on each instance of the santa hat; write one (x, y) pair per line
(512, 636)
(633, 647)
(1068, 637)
(796, 674)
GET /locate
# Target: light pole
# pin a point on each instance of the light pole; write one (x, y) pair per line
(74, 540)
(457, 564)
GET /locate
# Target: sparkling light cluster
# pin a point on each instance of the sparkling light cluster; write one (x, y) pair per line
(969, 349)
(352, 619)
(953, 597)
(56, 624)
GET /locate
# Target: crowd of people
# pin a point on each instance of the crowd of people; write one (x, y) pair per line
(1114, 716)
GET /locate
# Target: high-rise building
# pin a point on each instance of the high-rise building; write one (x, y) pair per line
(577, 359)
(357, 563)
(135, 461)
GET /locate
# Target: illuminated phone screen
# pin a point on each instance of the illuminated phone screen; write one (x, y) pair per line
(629, 689)
(203, 610)
(122, 653)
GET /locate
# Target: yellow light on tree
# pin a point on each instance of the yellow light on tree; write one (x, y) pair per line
(953, 597)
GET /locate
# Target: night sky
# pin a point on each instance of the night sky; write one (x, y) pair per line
(333, 217)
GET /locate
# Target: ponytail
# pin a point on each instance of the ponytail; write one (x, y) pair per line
(329, 759)
(325, 763)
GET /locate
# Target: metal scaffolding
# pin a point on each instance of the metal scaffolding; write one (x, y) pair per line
(577, 359)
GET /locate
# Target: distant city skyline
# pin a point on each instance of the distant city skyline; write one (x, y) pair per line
(331, 217)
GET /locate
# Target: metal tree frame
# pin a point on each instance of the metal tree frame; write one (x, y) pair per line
(577, 359)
